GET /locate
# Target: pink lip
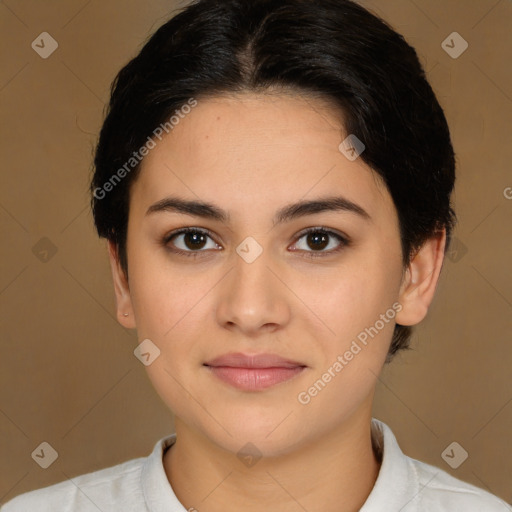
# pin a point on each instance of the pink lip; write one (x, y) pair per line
(253, 372)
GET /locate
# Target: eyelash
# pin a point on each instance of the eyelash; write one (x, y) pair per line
(344, 242)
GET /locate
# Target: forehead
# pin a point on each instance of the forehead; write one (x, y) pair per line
(260, 151)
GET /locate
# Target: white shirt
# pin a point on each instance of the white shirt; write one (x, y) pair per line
(140, 485)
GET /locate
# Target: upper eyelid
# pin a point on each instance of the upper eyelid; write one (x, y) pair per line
(327, 230)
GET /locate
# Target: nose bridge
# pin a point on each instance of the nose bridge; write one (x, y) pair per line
(252, 296)
(251, 277)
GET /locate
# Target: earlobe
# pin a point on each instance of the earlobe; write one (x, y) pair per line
(420, 280)
(124, 309)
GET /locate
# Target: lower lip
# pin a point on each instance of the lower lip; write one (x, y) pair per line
(254, 379)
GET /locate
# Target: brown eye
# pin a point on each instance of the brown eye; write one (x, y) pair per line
(188, 241)
(194, 240)
(318, 239)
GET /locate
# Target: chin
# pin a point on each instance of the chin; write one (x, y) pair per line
(265, 440)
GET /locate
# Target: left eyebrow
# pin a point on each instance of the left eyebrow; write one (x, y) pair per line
(285, 214)
(326, 204)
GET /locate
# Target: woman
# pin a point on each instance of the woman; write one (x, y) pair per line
(274, 181)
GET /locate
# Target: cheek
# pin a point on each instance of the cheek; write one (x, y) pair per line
(163, 295)
(353, 357)
(357, 305)
(169, 311)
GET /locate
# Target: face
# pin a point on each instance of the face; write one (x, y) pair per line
(302, 284)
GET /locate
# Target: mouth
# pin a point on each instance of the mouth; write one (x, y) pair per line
(253, 372)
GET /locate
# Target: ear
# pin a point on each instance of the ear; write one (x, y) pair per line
(420, 280)
(122, 290)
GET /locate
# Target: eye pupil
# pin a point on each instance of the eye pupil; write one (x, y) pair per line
(197, 239)
(315, 237)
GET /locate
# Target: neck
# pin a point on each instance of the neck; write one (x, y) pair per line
(333, 473)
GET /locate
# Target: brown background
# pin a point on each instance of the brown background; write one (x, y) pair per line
(68, 373)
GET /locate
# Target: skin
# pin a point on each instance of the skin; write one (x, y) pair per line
(251, 154)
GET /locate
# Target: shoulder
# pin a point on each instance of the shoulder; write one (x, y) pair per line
(94, 491)
(442, 492)
(410, 485)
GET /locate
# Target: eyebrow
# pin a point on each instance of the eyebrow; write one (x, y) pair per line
(287, 213)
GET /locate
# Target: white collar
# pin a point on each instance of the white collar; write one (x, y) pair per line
(396, 487)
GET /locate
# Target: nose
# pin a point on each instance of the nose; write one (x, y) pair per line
(253, 298)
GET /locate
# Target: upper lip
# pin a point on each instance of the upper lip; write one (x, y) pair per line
(239, 360)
